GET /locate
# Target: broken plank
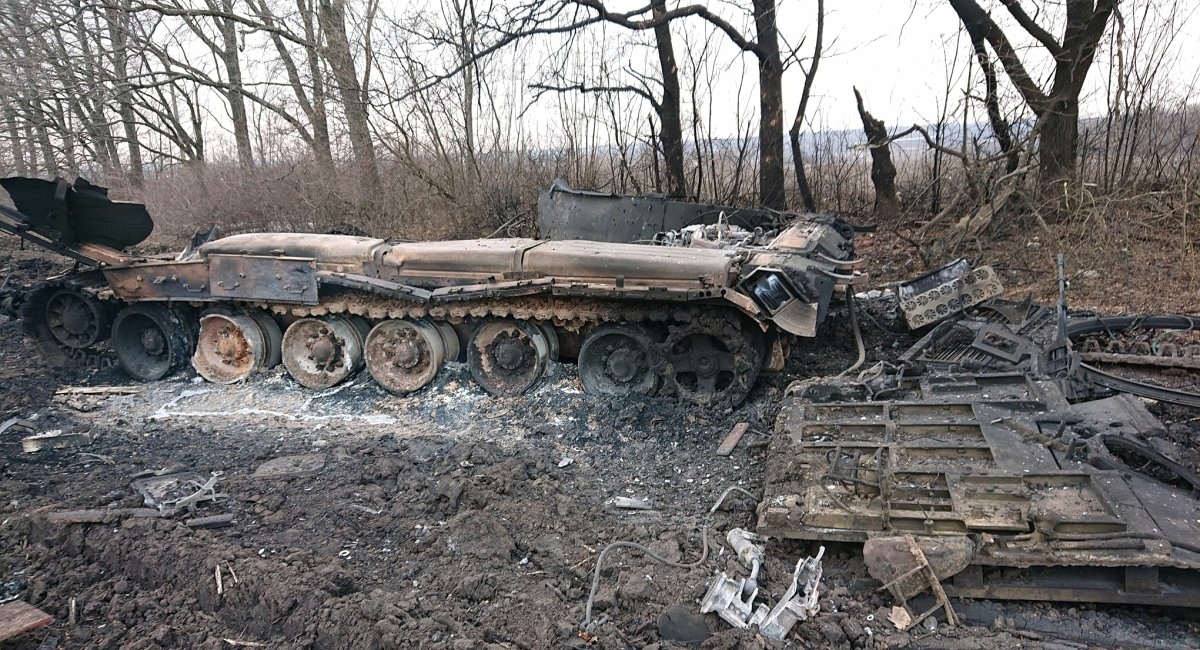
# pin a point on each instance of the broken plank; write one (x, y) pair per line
(731, 440)
(55, 440)
(97, 390)
(19, 617)
(213, 521)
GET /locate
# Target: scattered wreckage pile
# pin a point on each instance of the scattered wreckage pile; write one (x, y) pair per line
(1006, 455)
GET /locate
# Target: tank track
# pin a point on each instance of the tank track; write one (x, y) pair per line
(576, 315)
(571, 314)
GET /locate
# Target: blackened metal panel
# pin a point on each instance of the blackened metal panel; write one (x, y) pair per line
(568, 213)
(274, 279)
(161, 281)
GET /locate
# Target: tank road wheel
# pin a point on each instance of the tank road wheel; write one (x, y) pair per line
(322, 352)
(76, 320)
(404, 356)
(273, 335)
(713, 360)
(507, 357)
(233, 346)
(551, 339)
(151, 340)
(449, 339)
(618, 359)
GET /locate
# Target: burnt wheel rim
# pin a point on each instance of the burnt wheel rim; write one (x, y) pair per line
(150, 341)
(323, 352)
(507, 357)
(618, 360)
(405, 356)
(231, 347)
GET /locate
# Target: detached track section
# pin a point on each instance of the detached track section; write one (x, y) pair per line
(1123, 324)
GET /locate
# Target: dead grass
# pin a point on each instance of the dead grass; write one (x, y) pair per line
(1135, 253)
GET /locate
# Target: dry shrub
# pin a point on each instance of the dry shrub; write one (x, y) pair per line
(303, 197)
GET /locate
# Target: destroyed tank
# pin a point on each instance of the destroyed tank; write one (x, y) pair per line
(699, 318)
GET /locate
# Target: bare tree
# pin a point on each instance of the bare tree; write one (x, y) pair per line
(331, 15)
(764, 46)
(669, 114)
(119, 19)
(309, 90)
(810, 75)
(1057, 108)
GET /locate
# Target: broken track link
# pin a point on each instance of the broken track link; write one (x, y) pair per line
(1122, 341)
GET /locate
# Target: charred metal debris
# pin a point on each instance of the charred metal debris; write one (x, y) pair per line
(1008, 454)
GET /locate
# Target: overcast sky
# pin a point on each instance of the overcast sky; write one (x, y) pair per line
(900, 52)
(902, 55)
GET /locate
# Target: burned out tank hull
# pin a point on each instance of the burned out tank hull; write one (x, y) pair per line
(699, 320)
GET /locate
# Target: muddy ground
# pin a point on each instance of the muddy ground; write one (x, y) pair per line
(448, 519)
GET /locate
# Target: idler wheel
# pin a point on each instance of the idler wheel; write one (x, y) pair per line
(322, 352)
(713, 360)
(404, 356)
(151, 340)
(507, 357)
(619, 359)
(75, 320)
(233, 346)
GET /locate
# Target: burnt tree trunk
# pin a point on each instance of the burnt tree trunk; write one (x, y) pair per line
(669, 115)
(237, 102)
(883, 172)
(331, 16)
(770, 95)
(1059, 143)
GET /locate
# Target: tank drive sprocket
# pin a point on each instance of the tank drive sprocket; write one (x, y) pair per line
(713, 359)
(65, 321)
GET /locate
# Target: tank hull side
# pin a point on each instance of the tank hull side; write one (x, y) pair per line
(326, 249)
